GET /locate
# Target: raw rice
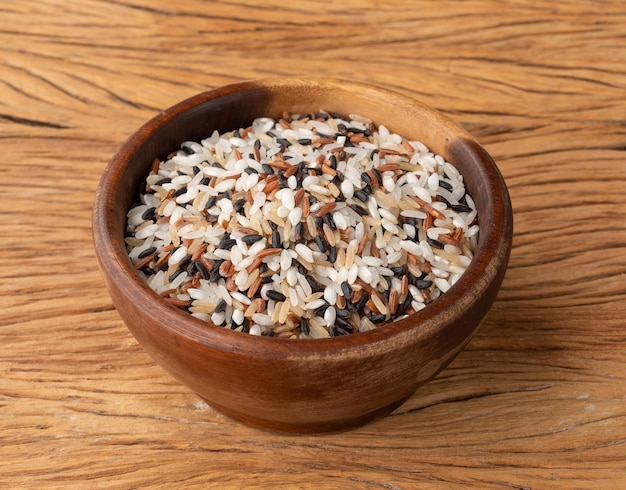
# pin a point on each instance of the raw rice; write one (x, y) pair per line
(304, 226)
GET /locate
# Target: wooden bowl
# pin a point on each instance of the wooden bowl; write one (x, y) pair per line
(302, 386)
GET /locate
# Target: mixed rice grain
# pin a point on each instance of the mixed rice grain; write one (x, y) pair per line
(305, 226)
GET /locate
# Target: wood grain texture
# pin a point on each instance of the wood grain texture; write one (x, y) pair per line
(536, 400)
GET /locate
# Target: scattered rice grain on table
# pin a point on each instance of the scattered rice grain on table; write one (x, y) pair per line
(305, 226)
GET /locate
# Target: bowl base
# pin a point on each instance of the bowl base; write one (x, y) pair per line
(307, 428)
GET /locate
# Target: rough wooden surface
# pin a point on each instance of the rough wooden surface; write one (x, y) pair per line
(538, 398)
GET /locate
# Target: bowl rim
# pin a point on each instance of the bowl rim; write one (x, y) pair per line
(491, 254)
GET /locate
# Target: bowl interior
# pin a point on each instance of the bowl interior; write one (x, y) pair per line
(237, 106)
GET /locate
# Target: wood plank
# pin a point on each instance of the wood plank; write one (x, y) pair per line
(536, 400)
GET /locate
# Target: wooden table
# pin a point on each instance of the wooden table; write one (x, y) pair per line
(537, 399)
